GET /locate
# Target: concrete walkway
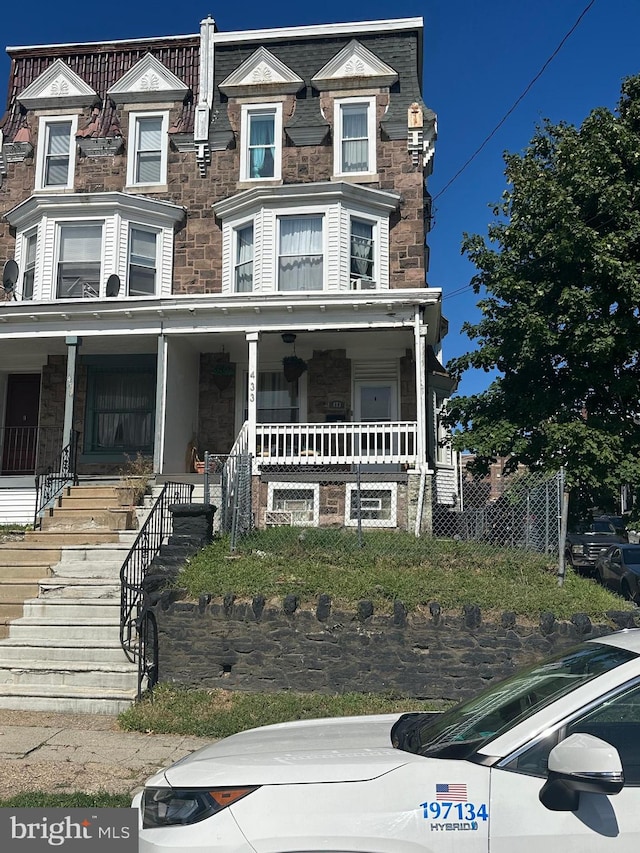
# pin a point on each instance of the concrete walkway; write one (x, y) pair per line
(60, 753)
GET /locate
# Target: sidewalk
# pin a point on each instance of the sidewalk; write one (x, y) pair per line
(60, 753)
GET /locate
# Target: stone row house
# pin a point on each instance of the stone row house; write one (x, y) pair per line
(217, 242)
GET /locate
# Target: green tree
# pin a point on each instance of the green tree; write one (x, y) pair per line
(559, 279)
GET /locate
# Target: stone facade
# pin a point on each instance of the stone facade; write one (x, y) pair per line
(259, 646)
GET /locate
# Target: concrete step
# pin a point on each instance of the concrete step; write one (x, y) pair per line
(82, 609)
(93, 630)
(78, 587)
(11, 609)
(65, 700)
(24, 574)
(81, 501)
(62, 538)
(15, 589)
(32, 553)
(121, 493)
(63, 673)
(81, 651)
(78, 520)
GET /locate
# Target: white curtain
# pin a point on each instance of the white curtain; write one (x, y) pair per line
(301, 261)
(244, 259)
(355, 141)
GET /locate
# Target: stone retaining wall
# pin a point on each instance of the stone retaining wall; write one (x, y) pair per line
(254, 646)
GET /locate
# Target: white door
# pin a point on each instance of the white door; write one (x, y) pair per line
(519, 823)
(375, 401)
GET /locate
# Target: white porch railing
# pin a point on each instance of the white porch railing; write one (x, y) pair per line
(385, 442)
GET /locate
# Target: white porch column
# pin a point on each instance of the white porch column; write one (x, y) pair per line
(73, 344)
(161, 405)
(420, 335)
(252, 391)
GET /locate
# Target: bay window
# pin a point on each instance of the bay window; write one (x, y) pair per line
(31, 245)
(300, 257)
(79, 261)
(243, 270)
(142, 262)
(362, 255)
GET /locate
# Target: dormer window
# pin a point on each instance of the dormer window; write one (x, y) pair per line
(147, 163)
(56, 143)
(31, 246)
(261, 142)
(355, 150)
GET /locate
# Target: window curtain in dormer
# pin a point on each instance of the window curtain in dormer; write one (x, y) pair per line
(355, 143)
(261, 146)
(300, 253)
(244, 259)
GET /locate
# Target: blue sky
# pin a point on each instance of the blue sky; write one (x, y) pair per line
(479, 58)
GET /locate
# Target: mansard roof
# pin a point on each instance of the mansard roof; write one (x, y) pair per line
(101, 67)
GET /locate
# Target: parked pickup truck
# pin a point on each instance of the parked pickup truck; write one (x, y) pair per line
(585, 541)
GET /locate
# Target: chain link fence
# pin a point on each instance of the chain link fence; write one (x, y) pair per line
(522, 510)
(398, 509)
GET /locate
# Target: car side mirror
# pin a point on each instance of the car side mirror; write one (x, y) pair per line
(580, 763)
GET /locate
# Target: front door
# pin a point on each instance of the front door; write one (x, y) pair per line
(21, 423)
(376, 402)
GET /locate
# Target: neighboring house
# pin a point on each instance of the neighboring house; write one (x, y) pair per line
(179, 215)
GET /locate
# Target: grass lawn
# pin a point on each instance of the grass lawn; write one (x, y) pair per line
(392, 565)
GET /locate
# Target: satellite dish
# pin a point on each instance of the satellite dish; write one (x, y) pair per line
(10, 276)
(113, 285)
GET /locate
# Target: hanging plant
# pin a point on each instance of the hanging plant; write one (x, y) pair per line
(223, 373)
(293, 367)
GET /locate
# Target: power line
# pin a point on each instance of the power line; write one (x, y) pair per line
(515, 104)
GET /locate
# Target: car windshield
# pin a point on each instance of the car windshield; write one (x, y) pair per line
(602, 526)
(461, 731)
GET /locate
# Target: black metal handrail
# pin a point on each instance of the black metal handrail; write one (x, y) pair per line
(138, 634)
(51, 482)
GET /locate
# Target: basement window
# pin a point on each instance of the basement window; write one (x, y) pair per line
(377, 506)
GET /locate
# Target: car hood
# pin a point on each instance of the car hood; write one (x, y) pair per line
(344, 749)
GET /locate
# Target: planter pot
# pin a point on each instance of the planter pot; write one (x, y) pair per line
(293, 368)
(222, 381)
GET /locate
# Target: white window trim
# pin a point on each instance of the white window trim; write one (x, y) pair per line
(297, 487)
(158, 259)
(371, 522)
(132, 148)
(22, 266)
(371, 131)
(245, 114)
(59, 225)
(375, 237)
(239, 226)
(43, 135)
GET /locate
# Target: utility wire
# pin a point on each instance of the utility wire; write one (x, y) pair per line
(513, 107)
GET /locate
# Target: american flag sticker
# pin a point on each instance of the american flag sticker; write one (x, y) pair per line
(451, 792)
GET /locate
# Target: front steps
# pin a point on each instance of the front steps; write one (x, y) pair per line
(63, 652)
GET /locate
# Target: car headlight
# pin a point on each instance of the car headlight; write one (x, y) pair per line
(180, 806)
(577, 549)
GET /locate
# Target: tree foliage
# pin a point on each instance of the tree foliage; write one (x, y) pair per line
(559, 278)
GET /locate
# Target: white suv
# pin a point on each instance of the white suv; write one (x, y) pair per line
(547, 760)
